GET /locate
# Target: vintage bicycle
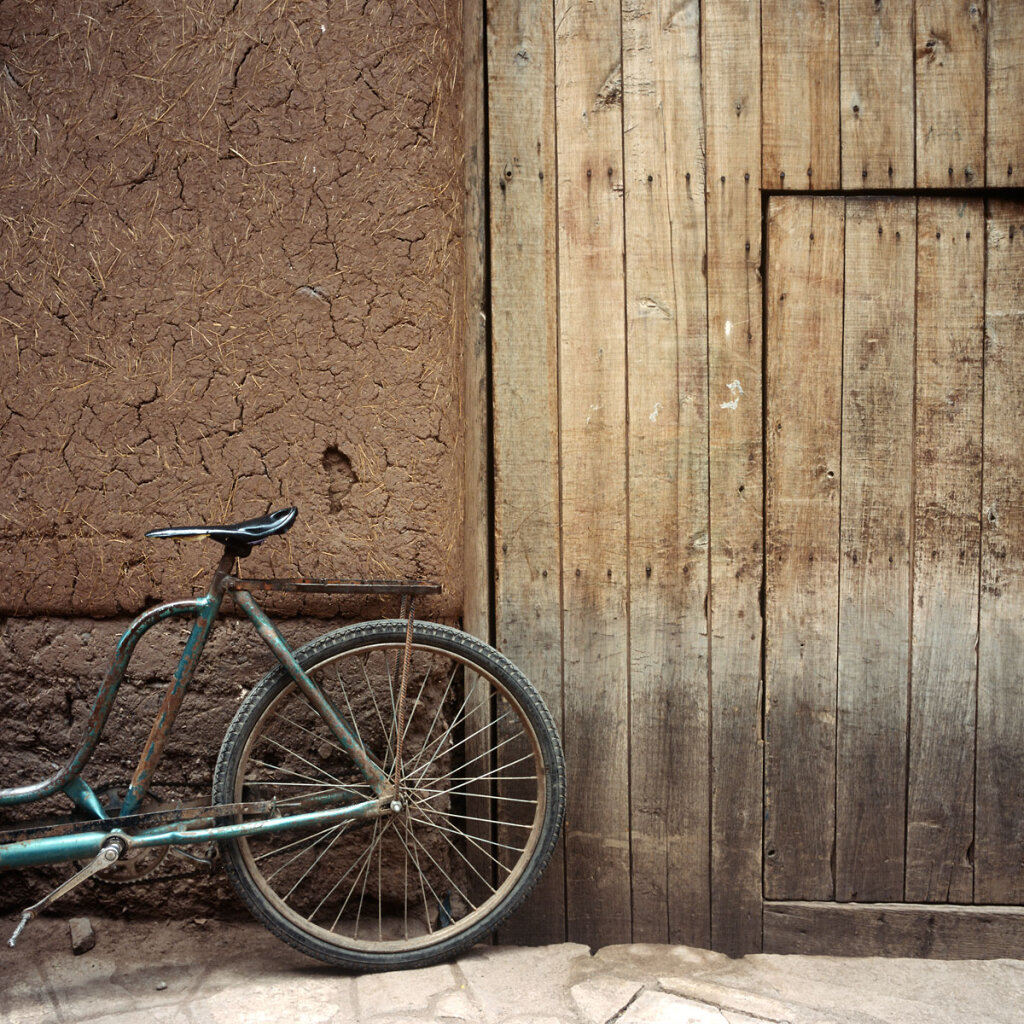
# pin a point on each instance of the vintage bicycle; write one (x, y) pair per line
(383, 798)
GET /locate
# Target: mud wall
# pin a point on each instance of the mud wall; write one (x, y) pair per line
(229, 260)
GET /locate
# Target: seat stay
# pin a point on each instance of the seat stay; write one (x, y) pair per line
(343, 733)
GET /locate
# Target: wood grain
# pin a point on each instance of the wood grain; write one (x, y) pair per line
(592, 348)
(875, 510)
(950, 91)
(947, 526)
(893, 929)
(1004, 157)
(477, 528)
(877, 105)
(800, 93)
(999, 865)
(666, 328)
(524, 353)
(804, 363)
(732, 110)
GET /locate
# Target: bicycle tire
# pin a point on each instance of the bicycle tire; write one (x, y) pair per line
(483, 794)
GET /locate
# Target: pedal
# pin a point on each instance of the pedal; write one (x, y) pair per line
(110, 853)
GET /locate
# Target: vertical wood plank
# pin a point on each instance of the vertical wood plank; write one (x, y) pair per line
(947, 526)
(950, 86)
(1004, 159)
(588, 74)
(804, 362)
(524, 303)
(877, 107)
(732, 105)
(875, 517)
(477, 525)
(666, 326)
(800, 93)
(999, 866)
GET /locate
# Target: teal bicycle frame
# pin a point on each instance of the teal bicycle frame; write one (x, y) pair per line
(86, 833)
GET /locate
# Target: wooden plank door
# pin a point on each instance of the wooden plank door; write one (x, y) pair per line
(893, 526)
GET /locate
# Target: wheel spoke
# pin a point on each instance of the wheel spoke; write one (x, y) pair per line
(479, 757)
(473, 819)
(278, 850)
(430, 857)
(428, 823)
(363, 857)
(389, 754)
(477, 841)
(316, 861)
(456, 719)
(484, 728)
(304, 760)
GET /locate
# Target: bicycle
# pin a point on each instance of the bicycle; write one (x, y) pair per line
(383, 798)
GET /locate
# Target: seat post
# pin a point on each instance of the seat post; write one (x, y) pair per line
(226, 565)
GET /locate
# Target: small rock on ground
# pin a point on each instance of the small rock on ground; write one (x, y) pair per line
(83, 938)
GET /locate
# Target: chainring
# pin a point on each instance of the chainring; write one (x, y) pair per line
(139, 864)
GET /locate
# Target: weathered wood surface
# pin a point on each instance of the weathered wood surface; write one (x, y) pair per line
(950, 91)
(592, 348)
(608, 288)
(877, 108)
(666, 327)
(732, 111)
(804, 364)
(999, 843)
(477, 527)
(874, 598)
(1004, 164)
(800, 84)
(947, 526)
(891, 929)
(524, 354)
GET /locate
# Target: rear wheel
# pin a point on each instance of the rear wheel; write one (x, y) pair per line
(481, 791)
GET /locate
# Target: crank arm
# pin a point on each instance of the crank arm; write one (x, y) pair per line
(110, 853)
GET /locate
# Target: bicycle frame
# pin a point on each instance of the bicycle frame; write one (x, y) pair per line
(85, 841)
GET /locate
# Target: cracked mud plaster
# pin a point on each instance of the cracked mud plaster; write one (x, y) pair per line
(229, 255)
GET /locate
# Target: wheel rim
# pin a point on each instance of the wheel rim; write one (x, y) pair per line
(472, 795)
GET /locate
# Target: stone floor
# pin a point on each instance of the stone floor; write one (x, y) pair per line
(205, 971)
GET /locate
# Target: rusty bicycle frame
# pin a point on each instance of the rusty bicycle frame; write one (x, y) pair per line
(91, 833)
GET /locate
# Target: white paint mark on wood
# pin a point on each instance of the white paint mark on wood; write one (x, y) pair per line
(735, 389)
(654, 415)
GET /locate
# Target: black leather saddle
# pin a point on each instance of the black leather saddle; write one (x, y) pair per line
(237, 535)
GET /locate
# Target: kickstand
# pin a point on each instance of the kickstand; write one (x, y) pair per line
(109, 854)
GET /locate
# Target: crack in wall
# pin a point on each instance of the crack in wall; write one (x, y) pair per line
(223, 259)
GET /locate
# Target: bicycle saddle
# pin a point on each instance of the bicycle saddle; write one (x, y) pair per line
(247, 533)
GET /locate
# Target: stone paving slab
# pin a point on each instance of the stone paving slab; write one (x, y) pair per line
(212, 972)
